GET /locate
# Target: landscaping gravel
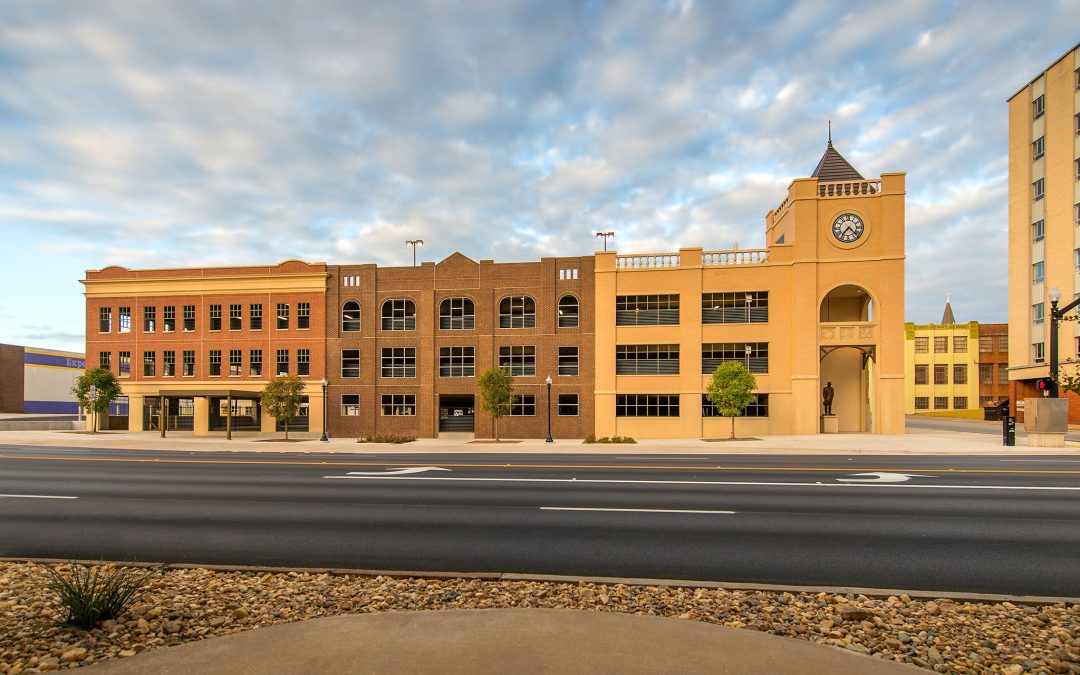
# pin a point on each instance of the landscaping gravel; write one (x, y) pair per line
(942, 635)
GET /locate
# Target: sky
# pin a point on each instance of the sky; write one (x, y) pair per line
(176, 134)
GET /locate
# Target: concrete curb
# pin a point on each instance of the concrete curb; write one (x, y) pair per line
(567, 579)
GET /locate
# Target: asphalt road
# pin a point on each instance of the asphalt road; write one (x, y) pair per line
(978, 524)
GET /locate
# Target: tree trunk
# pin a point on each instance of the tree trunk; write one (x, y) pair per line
(732, 427)
(93, 421)
(496, 427)
(287, 429)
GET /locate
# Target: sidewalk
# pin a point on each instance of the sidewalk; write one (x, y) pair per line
(923, 442)
(502, 641)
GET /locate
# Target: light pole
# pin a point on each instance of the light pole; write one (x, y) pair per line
(548, 380)
(1057, 315)
(414, 243)
(325, 408)
(605, 236)
(749, 298)
(749, 351)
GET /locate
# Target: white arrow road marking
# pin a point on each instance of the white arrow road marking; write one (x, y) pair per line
(584, 508)
(884, 477)
(35, 497)
(397, 472)
(576, 481)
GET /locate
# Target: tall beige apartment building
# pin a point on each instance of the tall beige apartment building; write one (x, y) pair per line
(1044, 222)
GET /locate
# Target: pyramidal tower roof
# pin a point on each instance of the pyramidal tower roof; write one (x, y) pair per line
(833, 166)
(947, 317)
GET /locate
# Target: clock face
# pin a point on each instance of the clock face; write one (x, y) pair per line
(847, 228)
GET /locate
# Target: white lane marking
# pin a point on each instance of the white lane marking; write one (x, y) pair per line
(585, 508)
(35, 497)
(1054, 461)
(398, 472)
(714, 482)
(884, 477)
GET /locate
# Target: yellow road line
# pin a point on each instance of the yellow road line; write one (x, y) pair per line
(843, 469)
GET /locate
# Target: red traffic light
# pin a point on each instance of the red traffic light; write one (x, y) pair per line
(1043, 383)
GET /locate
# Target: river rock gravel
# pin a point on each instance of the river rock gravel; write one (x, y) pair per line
(184, 605)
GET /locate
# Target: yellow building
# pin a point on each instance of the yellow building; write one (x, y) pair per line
(823, 302)
(941, 365)
(1044, 220)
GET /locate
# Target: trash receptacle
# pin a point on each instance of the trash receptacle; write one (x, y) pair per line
(994, 412)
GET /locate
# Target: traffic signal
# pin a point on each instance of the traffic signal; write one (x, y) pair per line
(1044, 384)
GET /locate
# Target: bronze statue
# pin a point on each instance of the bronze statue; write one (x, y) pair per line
(827, 397)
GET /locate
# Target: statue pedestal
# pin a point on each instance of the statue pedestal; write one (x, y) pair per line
(830, 424)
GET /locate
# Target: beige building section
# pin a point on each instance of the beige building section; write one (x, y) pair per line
(1044, 220)
(835, 314)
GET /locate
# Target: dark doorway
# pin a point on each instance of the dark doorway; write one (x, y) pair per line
(456, 413)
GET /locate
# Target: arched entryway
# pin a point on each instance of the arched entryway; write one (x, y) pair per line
(848, 340)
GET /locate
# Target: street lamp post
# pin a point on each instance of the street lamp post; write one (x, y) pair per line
(414, 243)
(749, 298)
(548, 380)
(1057, 315)
(749, 351)
(605, 236)
(325, 408)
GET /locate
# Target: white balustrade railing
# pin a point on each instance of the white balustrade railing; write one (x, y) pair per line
(646, 261)
(750, 256)
(855, 188)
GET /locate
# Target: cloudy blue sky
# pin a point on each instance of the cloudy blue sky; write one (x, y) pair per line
(202, 132)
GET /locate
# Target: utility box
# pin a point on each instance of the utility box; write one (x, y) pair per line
(1046, 420)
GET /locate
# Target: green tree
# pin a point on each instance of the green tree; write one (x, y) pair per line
(496, 395)
(106, 390)
(731, 390)
(281, 399)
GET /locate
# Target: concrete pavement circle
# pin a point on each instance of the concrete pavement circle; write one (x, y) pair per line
(492, 641)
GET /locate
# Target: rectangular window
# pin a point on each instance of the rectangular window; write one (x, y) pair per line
(394, 405)
(236, 317)
(568, 405)
(1076, 167)
(236, 363)
(646, 405)
(1076, 258)
(283, 316)
(168, 319)
(941, 345)
(105, 360)
(959, 373)
(922, 345)
(986, 343)
(303, 362)
(215, 317)
(520, 359)
(568, 360)
(1038, 107)
(959, 344)
(1038, 189)
(350, 405)
(647, 359)
(986, 373)
(456, 314)
(188, 364)
(753, 355)
(255, 363)
(255, 316)
(1003, 373)
(123, 362)
(517, 311)
(959, 402)
(759, 408)
(125, 319)
(941, 403)
(1038, 312)
(735, 307)
(983, 400)
(941, 374)
(647, 310)
(1076, 123)
(457, 361)
(399, 362)
(1038, 352)
(1038, 230)
(215, 363)
(1038, 272)
(350, 363)
(149, 319)
(1076, 210)
(922, 373)
(303, 315)
(282, 362)
(149, 364)
(1038, 148)
(524, 405)
(189, 318)
(168, 363)
(922, 402)
(105, 320)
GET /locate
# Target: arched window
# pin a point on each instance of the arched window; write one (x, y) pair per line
(399, 314)
(568, 312)
(350, 316)
(517, 311)
(457, 314)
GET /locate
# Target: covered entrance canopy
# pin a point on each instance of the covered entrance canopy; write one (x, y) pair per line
(225, 410)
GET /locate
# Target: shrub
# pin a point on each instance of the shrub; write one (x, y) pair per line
(91, 595)
(387, 438)
(614, 439)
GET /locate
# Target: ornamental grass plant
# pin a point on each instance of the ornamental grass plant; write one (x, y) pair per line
(94, 594)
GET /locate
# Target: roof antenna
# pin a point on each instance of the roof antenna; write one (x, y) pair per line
(830, 133)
